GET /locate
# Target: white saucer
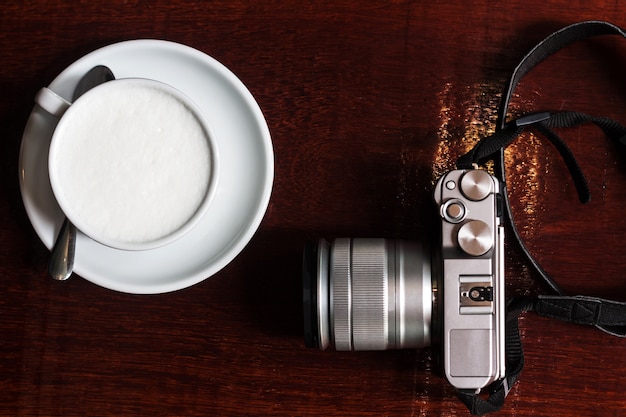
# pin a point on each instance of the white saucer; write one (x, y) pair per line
(246, 172)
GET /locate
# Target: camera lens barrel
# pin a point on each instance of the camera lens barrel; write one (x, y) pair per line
(367, 294)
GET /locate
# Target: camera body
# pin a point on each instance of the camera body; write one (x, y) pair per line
(377, 294)
(472, 267)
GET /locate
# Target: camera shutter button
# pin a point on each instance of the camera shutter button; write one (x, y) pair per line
(455, 211)
(475, 238)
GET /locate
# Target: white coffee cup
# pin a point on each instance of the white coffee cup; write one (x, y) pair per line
(133, 162)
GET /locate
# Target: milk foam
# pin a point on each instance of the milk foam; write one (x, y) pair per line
(132, 163)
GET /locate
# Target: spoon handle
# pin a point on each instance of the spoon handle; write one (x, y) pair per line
(62, 259)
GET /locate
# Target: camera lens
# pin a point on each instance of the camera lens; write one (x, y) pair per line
(367, 294)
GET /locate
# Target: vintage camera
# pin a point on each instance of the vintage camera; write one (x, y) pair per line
(377, 294)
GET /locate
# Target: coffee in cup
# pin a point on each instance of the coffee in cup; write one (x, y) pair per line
(132, 163)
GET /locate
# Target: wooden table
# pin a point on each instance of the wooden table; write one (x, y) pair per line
(367, 103)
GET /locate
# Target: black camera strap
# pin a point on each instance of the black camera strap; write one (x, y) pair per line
(607, 315)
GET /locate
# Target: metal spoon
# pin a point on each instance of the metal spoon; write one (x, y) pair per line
(62, 258)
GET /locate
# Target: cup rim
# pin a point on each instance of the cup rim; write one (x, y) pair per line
(191, 222)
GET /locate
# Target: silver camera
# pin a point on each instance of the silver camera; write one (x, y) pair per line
(377, 294)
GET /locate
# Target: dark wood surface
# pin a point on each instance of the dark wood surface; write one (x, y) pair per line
(367, 103)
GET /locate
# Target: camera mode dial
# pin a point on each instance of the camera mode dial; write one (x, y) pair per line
(476, 185)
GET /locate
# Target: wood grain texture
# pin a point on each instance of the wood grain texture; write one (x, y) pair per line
(366, 102)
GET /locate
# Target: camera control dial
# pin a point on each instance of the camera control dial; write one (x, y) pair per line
(475, 238)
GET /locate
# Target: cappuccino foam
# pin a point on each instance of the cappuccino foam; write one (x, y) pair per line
(132, 163)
